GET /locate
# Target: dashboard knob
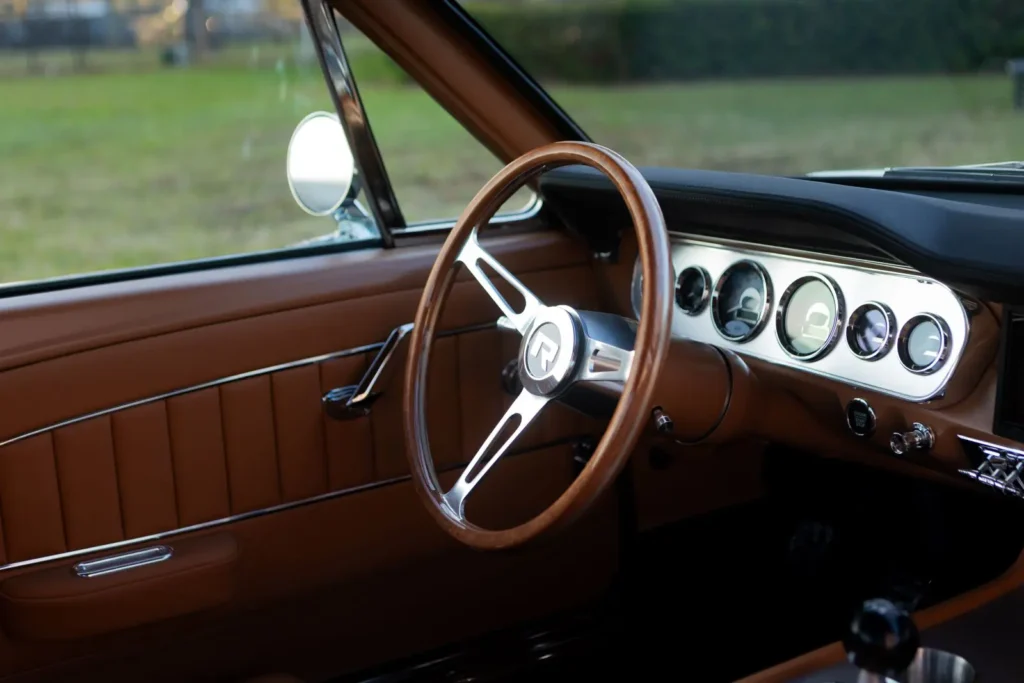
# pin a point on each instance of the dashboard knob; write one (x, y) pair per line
(921, 437)
(662, 421)
(882, 639)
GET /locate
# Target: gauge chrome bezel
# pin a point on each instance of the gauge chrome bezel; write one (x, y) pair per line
(890, 330)
(945, 343)
(766, 304)
(837, 320)
(705, 296)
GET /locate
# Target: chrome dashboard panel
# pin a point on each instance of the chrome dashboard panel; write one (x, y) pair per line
(906, 293)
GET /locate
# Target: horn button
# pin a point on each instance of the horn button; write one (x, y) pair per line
(549, 351)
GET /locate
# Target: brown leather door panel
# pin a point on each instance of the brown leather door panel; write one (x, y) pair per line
(55, 604)
(189, 405)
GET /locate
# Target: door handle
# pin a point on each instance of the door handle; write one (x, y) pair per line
(350, 402)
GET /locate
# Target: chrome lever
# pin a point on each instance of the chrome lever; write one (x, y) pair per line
(350, 402)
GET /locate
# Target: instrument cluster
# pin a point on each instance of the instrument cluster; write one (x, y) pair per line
(870, 325)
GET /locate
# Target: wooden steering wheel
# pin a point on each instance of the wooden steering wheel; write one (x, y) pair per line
(562, 349)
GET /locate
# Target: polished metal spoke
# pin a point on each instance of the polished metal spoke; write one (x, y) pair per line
(471, 256)
(526, 407)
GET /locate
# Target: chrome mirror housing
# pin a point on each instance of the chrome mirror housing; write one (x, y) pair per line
(320, 167)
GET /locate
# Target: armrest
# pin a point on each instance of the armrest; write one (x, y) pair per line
(57, 603)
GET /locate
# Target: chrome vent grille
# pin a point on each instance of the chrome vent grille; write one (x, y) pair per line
(995, 466)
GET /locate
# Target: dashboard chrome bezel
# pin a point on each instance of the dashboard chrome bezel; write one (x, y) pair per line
(766, 301)
(861, 281)
(890, 331)
(705, 295)
(838, 320)
(945, 338)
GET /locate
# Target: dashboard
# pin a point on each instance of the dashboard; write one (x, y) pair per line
(872, 325)
(906, 300)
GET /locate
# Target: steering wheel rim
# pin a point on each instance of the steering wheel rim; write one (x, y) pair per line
(640, 373)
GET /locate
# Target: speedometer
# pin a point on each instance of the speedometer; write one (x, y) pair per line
(742, 299)
(809, 318)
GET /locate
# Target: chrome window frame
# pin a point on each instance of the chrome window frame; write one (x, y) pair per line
(341, 85)
(531, 211)
(343, 89)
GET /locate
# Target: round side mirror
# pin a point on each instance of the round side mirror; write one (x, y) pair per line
(320, 166)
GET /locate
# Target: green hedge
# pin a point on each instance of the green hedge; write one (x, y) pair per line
(371, 65)
(651, 40)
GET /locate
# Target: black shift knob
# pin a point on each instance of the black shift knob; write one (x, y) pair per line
(883, 639)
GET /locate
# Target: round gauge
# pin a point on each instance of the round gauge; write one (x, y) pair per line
(924, 344)
(742, 299)
(871, 331)
(693, 288)
(810, 313)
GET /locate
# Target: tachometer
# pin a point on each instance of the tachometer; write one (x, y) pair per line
(742, 299)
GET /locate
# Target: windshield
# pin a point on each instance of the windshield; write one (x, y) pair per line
(778, 86)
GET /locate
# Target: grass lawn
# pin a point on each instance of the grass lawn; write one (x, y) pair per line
(113, 170)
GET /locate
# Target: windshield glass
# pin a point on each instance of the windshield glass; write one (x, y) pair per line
(778, 86)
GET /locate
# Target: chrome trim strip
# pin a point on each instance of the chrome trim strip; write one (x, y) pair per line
(342, 87)
(202, 525)
(252, 514)
(789, 252)
(227, 380)
(531, 211)
(191, 389)
(123, 562)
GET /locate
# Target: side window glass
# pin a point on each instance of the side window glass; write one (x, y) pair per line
(143, 132)
(435, 165)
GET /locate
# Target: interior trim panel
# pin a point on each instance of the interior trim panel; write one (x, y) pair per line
(313, 360)
(201, 526)
(800, 311)
(269, 464)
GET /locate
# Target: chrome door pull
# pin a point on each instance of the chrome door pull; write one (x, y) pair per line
(119, 563)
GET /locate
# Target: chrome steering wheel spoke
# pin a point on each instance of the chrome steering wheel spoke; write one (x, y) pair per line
(471, 255)
(526, 407)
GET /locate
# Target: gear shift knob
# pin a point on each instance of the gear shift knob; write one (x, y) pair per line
(882, 640)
